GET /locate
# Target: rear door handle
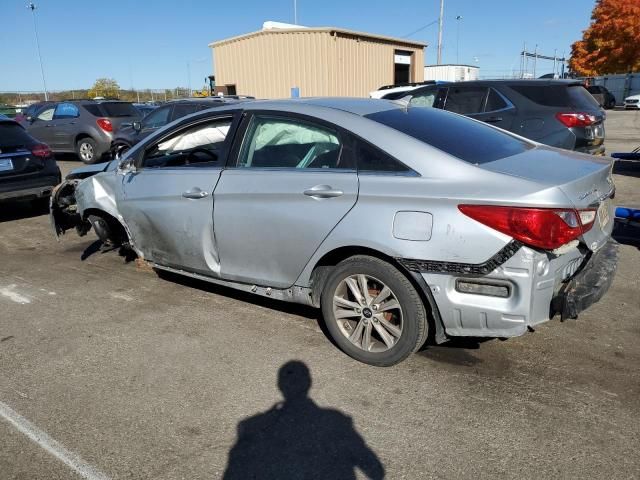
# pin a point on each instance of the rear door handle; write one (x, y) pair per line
(195, 193)
(493, 119)
(323, 191)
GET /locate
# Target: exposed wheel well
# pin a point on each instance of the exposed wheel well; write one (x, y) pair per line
(117, 233)
(331, 259)
(80, 136)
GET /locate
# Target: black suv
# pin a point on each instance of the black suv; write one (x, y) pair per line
(559, 113)
(28, 170)
(131, 134)
(604, 97)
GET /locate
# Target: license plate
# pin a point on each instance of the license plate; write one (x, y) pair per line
(6, 164)
(603, 214)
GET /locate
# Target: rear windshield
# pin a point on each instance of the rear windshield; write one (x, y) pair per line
(564, 96)
(119, 109)
(13, 135)
(466, 139)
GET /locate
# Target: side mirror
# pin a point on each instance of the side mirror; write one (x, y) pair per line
(137, 126)
(30, 119)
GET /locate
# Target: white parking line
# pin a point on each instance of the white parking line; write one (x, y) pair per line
(50, 445)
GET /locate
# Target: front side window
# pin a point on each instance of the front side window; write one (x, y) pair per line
(66, 110)
(46, 114)
(182, 110)
(157, 118)
(465, 100)
(273, 142)
(197, 146)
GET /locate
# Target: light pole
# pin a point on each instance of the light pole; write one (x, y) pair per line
(440, 32)
(458, 18)
(32, 7)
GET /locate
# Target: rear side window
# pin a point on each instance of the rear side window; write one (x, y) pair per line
(494, 102)
(119, 109)
(469, 140)
(13, 135)
(372, 159)
(581, 99)
(93, 110)
(565, 96)
(465, 100)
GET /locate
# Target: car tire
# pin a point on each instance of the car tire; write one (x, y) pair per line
(86, 149)
(376, 333)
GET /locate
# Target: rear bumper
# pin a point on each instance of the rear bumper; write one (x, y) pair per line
(590, 284)
(592, 150)
(31, 187)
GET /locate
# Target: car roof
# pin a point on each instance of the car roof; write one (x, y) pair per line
(357, 106)
(538, 82)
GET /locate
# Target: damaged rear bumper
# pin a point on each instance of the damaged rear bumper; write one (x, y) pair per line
(590, 284)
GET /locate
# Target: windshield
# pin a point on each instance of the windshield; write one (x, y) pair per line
(466, 139)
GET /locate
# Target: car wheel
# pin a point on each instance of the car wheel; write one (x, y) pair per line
(373, 312)
(86, 150)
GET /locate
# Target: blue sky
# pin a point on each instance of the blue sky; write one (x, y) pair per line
(148, 44)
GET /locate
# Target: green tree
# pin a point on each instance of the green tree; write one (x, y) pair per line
(104, 87)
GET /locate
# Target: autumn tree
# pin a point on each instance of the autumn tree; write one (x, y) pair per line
(104, 87)
(611, 44)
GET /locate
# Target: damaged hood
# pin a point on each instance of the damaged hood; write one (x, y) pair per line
(89, 170)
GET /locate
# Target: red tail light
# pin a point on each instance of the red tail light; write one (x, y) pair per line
(105, 124)
(579, 119)
(41, 150)
(547, 228)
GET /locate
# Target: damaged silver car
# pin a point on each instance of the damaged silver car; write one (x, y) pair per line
(399, 222)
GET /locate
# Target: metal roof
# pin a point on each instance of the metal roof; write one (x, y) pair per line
(343, 31)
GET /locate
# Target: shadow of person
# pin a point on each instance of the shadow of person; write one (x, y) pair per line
(296, 439)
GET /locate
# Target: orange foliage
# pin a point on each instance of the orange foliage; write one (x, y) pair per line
(611, 44)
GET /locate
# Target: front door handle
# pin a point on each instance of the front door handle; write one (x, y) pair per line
(195, 192)
(493, 119)
(323, 191)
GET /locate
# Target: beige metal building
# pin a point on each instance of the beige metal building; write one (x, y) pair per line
(318, 61)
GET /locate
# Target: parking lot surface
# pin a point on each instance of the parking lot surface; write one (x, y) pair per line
(137, 376)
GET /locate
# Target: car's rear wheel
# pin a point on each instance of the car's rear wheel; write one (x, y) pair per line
(373, 312)
(86, 149)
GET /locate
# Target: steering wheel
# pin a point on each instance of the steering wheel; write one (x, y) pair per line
(208, 153)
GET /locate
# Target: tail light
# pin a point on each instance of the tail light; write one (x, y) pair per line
(580, 119)
(547, 228)
(105, 124)
(41, 150)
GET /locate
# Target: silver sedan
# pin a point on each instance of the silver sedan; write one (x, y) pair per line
(401, 223)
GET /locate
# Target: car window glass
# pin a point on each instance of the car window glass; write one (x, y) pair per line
(157, 118)
(93, 109)
(372, 159)
(494, 102)
(425, 98)
(197, 146)
(46, 114)
(66, 110)
(465, 100)
(119, 109)
(286, 143)
(182, 110)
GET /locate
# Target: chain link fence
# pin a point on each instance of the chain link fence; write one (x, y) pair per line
(25, 98)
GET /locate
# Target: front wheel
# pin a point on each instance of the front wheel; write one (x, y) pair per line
(373, 312)
(86, 149)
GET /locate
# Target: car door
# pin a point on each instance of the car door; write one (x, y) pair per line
(167, 201)
(41, 126)
(289, 186)
(65, 118)
(497, 110)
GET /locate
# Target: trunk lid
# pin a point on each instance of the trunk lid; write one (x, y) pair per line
(585, 180)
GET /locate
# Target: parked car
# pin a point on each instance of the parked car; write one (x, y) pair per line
(145, 108)
(559, 113)
(131, 134)
(632, 102)
(392, 92)
(85, 127)
(30, 111)
(373, 211)
(28, 170)
(604, 97)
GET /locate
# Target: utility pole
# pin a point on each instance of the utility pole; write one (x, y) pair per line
(458, 18)
(189, 78)
(440, 32)
(555, 53)
(295, 12)
(535, 61)
(32, 7)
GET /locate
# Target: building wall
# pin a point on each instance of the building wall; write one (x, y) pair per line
(319, 63)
